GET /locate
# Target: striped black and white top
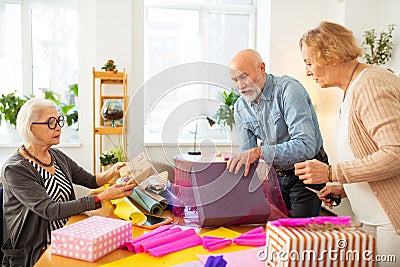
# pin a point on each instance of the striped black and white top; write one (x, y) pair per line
(59, 189)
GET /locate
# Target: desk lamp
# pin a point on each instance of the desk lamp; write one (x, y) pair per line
(196, 152)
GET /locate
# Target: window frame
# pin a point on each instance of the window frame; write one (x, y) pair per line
(27, 88)
(151, 139)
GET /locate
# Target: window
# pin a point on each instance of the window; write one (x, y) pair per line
(179, 33)
(38, 48)
(10, 47)
(54, 52)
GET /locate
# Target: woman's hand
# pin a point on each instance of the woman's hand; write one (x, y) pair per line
(114, 171)
(116, 191)
(111, 175)
(312, 171)
(335, 191)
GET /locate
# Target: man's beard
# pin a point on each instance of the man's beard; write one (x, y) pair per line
(254, 96)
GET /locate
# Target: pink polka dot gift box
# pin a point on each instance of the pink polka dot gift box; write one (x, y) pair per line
(90, 239)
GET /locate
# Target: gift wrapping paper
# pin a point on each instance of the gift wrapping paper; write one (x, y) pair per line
(90, 239)
(311, 246)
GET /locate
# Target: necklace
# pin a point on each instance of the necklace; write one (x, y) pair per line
(351, 78)
(38, 160)
(347, 86)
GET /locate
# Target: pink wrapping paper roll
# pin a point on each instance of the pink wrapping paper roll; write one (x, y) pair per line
(211, 238)
(153, 232)
(250, 242)
(254, 231)
(168, 239)
(293, 222)
(251, 237)
(139, 245)
(130, 244)
(217, 244)
(255, 237)
(190, 241)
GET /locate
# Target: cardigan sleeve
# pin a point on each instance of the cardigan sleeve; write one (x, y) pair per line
(374, 128)
(25, 186)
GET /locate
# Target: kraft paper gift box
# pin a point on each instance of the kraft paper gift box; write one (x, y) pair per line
(90, 239)
(140, 167)
(314, 245)
(224, 198)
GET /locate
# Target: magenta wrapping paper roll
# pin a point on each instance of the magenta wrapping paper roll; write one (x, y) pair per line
(151, 233)
(214, 245)
(168, 239)
(255, 238)
(211, 238)
(293, 222)
(250, 242)
(251, 237)
(190, 241)
(254, 231)
(139, 245)
(130, 244)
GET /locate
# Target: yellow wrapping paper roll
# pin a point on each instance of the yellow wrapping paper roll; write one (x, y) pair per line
(125, 209)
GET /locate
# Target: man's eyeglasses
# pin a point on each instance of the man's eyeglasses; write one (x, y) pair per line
(52, 122)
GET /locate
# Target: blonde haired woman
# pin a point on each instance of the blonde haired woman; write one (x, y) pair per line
(367, 133)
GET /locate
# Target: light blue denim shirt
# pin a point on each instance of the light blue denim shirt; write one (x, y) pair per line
(283, 120)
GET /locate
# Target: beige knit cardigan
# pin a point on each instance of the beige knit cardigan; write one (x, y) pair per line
(374, 136)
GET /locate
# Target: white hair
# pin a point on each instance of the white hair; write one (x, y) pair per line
(30, 112)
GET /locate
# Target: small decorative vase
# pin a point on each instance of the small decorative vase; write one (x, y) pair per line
(113, 110)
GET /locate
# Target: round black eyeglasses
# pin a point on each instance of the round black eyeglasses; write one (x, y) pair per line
(52, 122)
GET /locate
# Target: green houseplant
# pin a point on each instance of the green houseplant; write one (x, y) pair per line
(224, 115)
(110, 66)
(378, 48)
(10, 104)
(70, 111)
(113, 155)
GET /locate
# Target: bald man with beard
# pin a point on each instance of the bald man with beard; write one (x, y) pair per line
(276, 122)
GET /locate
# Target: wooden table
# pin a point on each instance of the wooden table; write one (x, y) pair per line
(47, 259)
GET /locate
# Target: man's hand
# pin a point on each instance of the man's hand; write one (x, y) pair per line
(312, 171)
(245, 158)
(335, 191)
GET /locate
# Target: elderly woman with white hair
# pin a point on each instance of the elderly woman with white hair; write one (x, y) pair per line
(38, 192)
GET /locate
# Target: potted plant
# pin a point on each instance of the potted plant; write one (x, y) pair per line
(10, 104)
(112, 156)
(378, 48)
(69, 110)
(224, 115)
(110, 66)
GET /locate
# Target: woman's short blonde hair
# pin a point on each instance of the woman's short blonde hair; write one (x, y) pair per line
(332, 43)
(30, 112)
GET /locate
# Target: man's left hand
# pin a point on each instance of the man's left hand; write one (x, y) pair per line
(245, 158)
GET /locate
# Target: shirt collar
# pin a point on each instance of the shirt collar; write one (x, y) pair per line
(267, 91)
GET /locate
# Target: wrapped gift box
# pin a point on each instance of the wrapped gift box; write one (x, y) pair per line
(90, 239)
(140, 168)
(318, 245)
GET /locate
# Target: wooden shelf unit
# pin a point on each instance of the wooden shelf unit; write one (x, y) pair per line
(99, 129)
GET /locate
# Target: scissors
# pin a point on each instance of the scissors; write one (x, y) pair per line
(336, 201)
